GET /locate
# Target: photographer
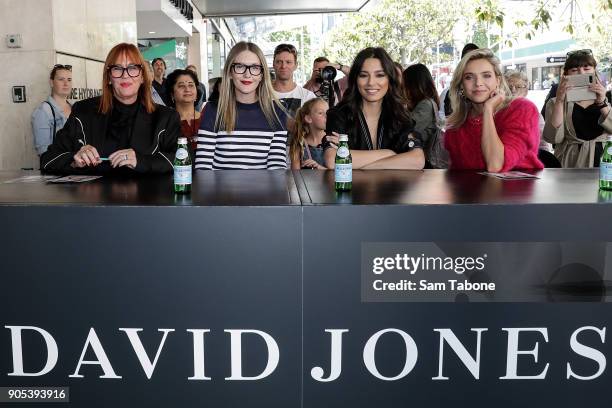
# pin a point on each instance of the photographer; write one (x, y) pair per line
(577, 129)
(335, 90)
(291, 95)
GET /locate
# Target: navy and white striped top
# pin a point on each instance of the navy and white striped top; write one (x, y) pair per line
(252, 145)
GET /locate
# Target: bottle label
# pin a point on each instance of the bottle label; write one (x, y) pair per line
(181, 153)
(610, 150)
(182, 175)
(605, 171)
(343, 152)
(344, 173)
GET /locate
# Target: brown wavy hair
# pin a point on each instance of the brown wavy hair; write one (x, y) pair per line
(144, 92)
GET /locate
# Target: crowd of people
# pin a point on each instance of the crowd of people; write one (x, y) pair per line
(394, 117)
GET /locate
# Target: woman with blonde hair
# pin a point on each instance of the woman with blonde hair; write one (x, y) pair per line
(489, 129)
(246, 127)
(121, 131)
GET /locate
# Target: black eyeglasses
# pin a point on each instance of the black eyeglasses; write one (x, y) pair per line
(117, 71)
(61, 66)
(254, 69)
(585, 51)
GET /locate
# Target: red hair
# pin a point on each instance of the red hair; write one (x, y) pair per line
(144, 92)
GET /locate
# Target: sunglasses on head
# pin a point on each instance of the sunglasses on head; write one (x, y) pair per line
(585, 51)
(61, 66)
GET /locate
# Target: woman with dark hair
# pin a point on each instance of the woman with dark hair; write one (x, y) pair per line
(420, 90)
(578, 128)
(122, 131)
(373, 115)
(51, 115)
(184, 93)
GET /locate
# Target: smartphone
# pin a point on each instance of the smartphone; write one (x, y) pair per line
(580, 87)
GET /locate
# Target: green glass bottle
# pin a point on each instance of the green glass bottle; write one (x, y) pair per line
(343, 173)
(182, 168)
(605, 166)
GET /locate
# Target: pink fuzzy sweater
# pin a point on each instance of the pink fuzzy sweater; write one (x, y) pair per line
(517, 127)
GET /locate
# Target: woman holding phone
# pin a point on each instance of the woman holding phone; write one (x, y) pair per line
(578, 128)
(489, 129)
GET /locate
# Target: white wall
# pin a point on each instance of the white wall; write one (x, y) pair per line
(75, 32)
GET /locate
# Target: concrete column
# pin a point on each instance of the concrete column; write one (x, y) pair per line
(75, 32)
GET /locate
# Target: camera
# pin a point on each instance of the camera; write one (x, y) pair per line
(326, 79)
(327, 74)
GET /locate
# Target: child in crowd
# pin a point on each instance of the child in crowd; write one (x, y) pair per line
(305, 149)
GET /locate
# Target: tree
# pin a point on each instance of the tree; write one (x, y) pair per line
(409, 30)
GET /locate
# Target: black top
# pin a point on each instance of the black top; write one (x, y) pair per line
(585, 121)
(120, 128)
(152, 136)
(161, 90)
(391, 135)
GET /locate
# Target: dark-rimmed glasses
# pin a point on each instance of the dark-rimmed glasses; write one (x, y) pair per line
(254, 69)
(62, 66)
(585, 51)
(133, 70)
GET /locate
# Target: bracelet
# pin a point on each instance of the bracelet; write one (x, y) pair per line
(600, 105)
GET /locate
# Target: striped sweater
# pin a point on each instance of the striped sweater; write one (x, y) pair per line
(253, 144)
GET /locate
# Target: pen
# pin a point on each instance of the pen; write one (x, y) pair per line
(104, 158)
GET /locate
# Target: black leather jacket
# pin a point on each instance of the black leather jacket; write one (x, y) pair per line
(153, 139)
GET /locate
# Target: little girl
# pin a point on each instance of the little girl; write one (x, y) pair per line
(306, 150)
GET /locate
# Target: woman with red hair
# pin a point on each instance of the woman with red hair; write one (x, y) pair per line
(121, 131)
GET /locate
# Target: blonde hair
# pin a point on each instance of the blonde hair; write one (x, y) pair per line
(298, 142)
(226, 111)
(144, 91)
(520, 75)
(460, 104)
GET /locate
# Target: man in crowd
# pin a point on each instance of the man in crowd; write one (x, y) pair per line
(339, 86)
(159, 82)
(156, 97)
(291, 95)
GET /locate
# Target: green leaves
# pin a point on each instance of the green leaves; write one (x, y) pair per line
(407, 29)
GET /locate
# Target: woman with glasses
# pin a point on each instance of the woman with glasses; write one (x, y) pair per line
(122, 131)
(51, 115)
(577, 129)
(374, 116)
(246, 127)
(489, 129)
